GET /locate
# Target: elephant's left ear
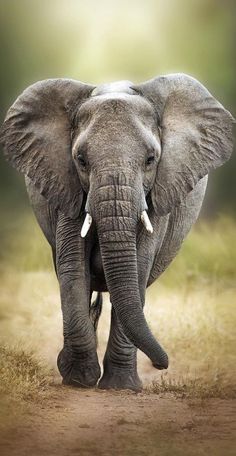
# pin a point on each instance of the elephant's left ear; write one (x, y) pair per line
(36, 137)
(196, 136)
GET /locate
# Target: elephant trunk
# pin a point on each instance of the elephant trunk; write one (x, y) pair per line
(116, 209)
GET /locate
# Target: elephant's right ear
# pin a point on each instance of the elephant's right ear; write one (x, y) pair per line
(36, 137)
(196, 136)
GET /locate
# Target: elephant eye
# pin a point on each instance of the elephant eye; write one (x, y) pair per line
(81, 160)
(150, 159)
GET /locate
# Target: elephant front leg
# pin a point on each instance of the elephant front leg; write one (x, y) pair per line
(77, 361)
(120, 361)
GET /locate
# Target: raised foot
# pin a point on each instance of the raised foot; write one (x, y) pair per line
(80, 370)
(121, 380)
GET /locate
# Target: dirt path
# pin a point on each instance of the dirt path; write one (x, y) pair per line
(96, 423)
(122, 423)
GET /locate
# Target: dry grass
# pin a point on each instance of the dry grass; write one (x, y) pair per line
(191, 310)
(23, 379)
(197, 327)
(22, 375)
(193, 387)
(202, 387)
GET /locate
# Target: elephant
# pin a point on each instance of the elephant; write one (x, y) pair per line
(116, 175)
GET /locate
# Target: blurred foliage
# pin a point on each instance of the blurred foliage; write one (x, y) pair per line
(207, 255)
(115, 39)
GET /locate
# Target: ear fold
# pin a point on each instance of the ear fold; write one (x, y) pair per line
(36, 136)
(196, 136)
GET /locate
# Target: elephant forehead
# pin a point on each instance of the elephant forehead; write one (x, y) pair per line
(115, 103)
(114, 87)
(112, 119)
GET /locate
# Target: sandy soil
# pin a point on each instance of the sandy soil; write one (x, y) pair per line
(91, 422)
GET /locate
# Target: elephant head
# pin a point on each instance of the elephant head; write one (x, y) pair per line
(115, 146)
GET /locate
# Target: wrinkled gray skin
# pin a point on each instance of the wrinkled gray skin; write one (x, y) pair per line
(114, 151)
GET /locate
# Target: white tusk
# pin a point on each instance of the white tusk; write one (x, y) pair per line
(86, 225)
(146, 222)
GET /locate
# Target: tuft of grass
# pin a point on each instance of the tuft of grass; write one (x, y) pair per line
(198, 387)
(22, 376)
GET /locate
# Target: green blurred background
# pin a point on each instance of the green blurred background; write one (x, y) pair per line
(98, 41)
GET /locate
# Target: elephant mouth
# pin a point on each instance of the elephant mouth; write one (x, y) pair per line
(98, 280)
(88, 222)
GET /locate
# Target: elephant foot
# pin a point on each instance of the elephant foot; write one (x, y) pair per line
(120, 379)
(80, 370)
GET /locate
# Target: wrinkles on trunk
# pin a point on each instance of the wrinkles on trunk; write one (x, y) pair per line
(122, 281)
(116, 210)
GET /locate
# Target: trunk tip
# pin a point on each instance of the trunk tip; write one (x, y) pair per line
(162, 363)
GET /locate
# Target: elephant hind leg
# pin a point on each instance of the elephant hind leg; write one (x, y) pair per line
(96, 309)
